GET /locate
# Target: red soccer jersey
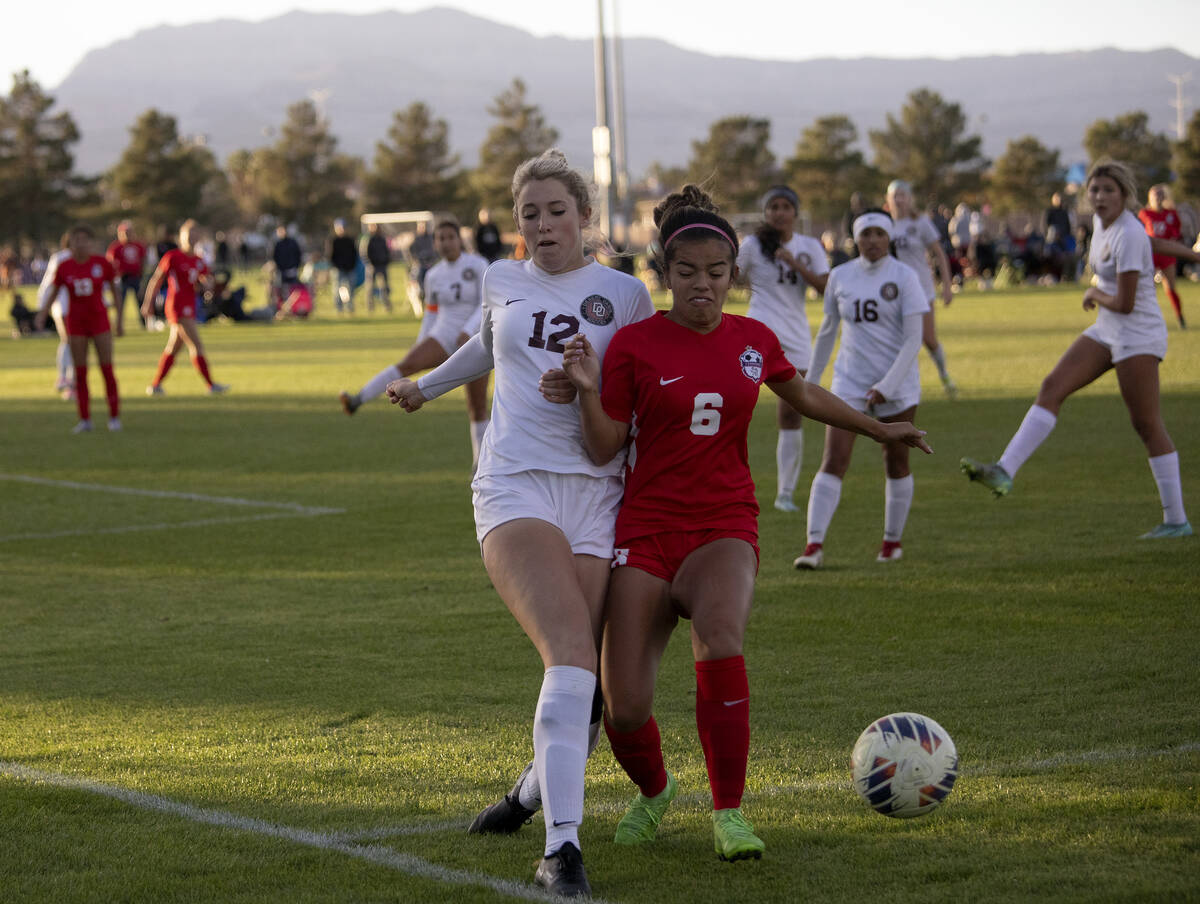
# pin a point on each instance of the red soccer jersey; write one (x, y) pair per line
(127, 257)
(689, 398)
(83, 281)
(1162, 223)
(183, 271)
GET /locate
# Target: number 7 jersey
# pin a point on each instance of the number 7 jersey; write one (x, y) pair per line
(529, 315)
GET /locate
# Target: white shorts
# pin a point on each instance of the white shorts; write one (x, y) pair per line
(448, 324)
(584, 508)
(887, 409)
(1127, 342)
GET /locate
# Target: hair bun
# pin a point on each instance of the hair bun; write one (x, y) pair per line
(691, 195)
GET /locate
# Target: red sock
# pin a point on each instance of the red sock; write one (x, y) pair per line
(201, 364)
(723, 722)
(110, 390)
(640, 755)
(164, 365)
(1175, 302)
(81, 394)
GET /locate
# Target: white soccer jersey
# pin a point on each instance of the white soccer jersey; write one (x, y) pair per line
(528, 317)
(912, 237)
(872, 300)
(46, 286)
(777, 292)
(1122, 247)
(452, 299)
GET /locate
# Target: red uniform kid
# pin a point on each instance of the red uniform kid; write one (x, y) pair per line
(1161, 221)
(128, 257)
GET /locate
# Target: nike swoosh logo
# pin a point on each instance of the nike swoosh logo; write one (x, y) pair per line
(736, 702)
(509, 301)
(565, 822)
(662, 382)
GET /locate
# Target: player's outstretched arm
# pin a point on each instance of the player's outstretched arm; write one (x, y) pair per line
(821, 405)
(603, 437)
(1170, 248)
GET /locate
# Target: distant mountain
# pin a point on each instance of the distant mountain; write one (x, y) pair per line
(230, 81)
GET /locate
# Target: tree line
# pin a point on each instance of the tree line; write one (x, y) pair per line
(163, 176)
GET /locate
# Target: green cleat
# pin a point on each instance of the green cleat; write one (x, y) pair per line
(1163, 531)
(640, 822)
(733, 836)
(991, 475)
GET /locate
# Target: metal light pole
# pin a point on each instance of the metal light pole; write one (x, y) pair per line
(601, 137)
(620, 149)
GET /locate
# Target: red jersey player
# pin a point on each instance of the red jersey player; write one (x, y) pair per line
(84, 275)
(128, 257)
(183, 271)
(682, 386)
(1162, 222)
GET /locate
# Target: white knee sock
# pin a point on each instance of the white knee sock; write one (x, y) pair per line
(529, 795)
(939, 358)
(823, 501)
(1165, 469)
(1032, 433)
(66, 368)
(560, 742)
(789, 456)
(378, 383)
(478, 428)
(897, 500)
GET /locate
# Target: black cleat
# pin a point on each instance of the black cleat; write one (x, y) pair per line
(562, 873)
(506, 815)
(350, 403)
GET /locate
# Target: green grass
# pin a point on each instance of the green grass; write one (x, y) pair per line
(355, 675)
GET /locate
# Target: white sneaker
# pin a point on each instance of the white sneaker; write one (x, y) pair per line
(155, 390)
(218, 389)
(814, 555)
(114, 424)
(783, 503)
(82, 427)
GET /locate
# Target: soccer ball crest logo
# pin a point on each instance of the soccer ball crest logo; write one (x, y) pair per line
(752, 363)
(597, 309)
(904, 765)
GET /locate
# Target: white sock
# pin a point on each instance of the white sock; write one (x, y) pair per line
(560, 741)
(66, 368)
(478, 428)
(897, 500)
(789, 456)
(1032, 433)
(939, 358)
(378, 383)
(823, 501)
(530, 793)
(1165, 469)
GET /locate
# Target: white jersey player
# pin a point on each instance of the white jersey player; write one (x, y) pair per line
(880, 306)
(65, 381)
(914, 240)
(452, 315)
(544, 512)
(780, 264)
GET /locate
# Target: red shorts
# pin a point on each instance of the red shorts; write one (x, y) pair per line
(87, 320)
(177, 310)
(1163, 262)
(663, 553)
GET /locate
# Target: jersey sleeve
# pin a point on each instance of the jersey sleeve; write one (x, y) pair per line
(1126, 251)
(744, 252)
(776, 367)
(642, 306)
(618, 389)
(912, 296)
(110, 272)
(820, 260)
(929, 233)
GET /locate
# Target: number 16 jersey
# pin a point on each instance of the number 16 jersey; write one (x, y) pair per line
(528, 317)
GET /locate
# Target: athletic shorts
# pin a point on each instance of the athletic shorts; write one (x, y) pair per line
(1129, 341)
(177, 310)
(87, 320)
(583, 507)
(662, 554)
(889, 408)
(450, 323)
(1163, 262)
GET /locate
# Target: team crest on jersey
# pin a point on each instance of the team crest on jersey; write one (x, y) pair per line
(911, 230)
(805, 259)
(889, 291)
(752, 363)
(468, 273)
(597, 310)
(96, 271)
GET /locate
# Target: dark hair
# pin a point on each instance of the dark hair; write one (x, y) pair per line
(769, 240)
(690, 206)
(84, 228)
(447, 223)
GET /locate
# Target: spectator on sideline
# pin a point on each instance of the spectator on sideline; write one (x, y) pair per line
(488, 243)
(128, 257)
(379, 255)
(344, 260)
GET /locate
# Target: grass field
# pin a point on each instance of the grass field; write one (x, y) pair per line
(291, 681)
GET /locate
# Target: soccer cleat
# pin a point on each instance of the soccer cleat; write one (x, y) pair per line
(640, 822)
(890, 551)
(733, 836)
(350, 403)
(562, 873)
(154, 390)
(814, 554)
(506, 815)
(991, 475)
(114, 424)
(783, 502)
(1162, 531)
(84, 426)
(218, 389)
(951, 388)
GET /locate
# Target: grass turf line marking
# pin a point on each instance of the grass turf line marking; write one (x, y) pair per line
(372, 853)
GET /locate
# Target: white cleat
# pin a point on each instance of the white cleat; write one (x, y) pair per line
(82, 427)
(114, 424)
(218, 389)
(783, 503)
(814, 555)
(155, 390)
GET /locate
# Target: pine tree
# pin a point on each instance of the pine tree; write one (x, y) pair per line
(1024, 177)
(826, 169)
(414, 170)
(520, 132)
(1128, 139)
(735, 161)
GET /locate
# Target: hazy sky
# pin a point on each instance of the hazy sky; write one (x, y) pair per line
(49, 40)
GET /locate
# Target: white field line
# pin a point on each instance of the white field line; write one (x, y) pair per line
(281, 509)
(372, 853)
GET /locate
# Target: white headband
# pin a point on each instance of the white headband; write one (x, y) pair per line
(872, 218)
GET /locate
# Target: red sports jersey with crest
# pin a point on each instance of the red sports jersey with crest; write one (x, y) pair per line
(183, 271)
(127, 257)
(688, 398)
(83, 281)
(1163, 224)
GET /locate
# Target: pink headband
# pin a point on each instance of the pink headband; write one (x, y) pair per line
(718, 230)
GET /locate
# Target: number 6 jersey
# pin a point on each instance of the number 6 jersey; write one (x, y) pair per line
(528, 316)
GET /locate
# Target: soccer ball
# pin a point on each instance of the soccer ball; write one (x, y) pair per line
(904, 765)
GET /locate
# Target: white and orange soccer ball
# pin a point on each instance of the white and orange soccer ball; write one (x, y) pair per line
(904, 765)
